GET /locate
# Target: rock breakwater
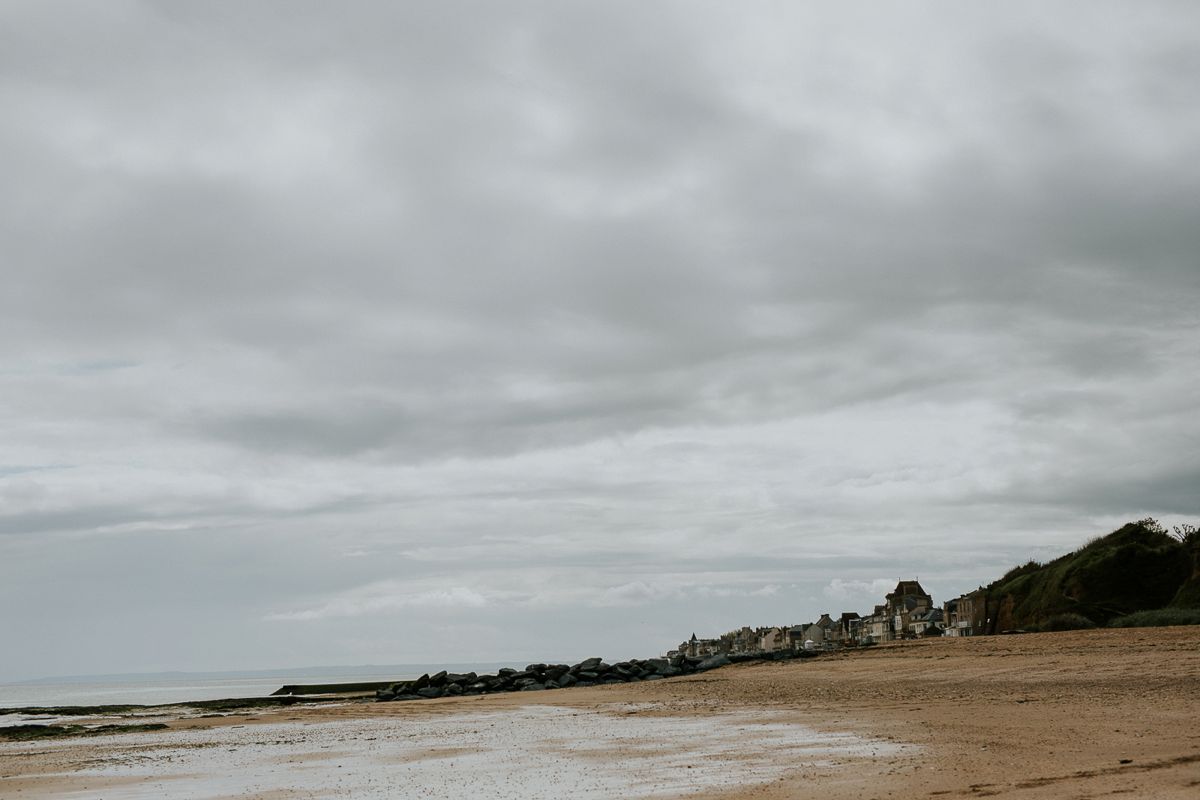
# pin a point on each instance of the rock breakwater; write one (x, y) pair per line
(542, 677)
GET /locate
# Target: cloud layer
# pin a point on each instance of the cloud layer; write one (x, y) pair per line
(448, 332)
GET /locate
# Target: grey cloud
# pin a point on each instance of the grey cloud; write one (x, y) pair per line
(87, 518)
(564, 296)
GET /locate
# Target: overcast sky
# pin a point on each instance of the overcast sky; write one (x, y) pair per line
(407, 332)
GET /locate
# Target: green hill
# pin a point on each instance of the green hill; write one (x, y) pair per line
(1139, 567)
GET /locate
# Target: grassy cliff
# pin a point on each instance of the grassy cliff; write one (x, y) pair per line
(1136, 568)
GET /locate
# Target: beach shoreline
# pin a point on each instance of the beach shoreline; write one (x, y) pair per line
(1084, 714)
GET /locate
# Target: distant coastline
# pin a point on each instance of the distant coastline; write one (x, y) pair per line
(159, 688)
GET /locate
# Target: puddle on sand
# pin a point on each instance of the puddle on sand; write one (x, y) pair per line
(531, 753)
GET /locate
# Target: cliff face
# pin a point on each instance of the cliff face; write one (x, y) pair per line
(1136, 568)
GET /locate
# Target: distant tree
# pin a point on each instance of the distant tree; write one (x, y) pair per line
(1152, 525)
(1188, 534)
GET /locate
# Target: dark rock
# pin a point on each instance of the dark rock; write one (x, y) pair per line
(567, 681)
(588, 665)
(533, 687)
(506, 672)
(409, 697)
(521, 683)
(713, 662)
(431, 691)
(587, 675)
(439, 679)
(454, 688)
(419, 683)
(385, 695)
(659, 665)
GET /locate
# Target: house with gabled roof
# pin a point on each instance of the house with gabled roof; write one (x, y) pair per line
(927, 623)
(906, 600)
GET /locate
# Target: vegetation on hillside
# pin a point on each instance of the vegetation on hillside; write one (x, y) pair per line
(1158, 617)
(1139, 567)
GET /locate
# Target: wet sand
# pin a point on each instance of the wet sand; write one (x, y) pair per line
(1081, 715)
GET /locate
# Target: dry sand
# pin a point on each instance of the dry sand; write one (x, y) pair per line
(1077, 715)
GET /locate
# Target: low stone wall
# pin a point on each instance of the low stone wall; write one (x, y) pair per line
(590, 672)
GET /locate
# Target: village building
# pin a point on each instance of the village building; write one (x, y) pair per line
(849, 625)
(700, 648)
(743, 640)
(823, 633)
(966, 615)
(907, 612)
(927, 623)
(795, 637)
(772, 640)
(877, 627)
(902, 604)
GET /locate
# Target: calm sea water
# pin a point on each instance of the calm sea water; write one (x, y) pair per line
(181, 687)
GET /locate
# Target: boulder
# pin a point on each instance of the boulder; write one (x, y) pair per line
(712, 662)
(431, 691)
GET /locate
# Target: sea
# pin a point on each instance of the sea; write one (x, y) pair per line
(179, 687)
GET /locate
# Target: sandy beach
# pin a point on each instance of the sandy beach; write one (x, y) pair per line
(1082, 715)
